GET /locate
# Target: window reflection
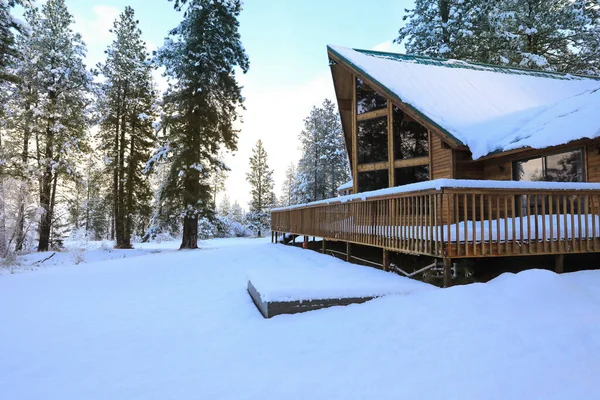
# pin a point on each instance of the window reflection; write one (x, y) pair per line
(408, 175)
(367, 99)
(372, 140)
(372, 180)
(562, 167)
(410, 137)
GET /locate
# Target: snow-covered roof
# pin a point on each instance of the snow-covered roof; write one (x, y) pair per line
(439, 184)
(487, 108)
(347, 185)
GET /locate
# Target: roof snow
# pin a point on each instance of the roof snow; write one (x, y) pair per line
(487, 108)
(347, 185)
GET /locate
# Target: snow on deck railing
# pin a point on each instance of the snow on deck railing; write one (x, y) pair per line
(439, 184)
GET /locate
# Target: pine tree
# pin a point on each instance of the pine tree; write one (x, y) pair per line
(9, 26)
(127, 99)
(260, 178)
(201, 104)
(62, 85)
(324, 163)
(289, 189)
(554, 35)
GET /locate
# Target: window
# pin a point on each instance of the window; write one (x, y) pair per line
(410, 137)
(367, 99)
(562, 167)
(372, 140)
(408, 175)
(373, 180)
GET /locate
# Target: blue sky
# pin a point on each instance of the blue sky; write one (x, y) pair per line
(286, 42)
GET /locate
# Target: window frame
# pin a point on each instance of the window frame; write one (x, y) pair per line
(543, 157)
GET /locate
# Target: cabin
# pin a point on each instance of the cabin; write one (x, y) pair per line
(456, 160)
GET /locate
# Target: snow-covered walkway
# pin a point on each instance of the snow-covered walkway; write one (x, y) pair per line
(180, 325)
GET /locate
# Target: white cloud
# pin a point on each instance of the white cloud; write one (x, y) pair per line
(96, 31)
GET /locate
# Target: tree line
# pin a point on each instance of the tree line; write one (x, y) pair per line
(78, 144)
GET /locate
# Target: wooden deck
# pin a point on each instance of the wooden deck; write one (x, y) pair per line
(451, 222)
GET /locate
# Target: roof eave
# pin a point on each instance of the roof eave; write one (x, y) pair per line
(453, 141)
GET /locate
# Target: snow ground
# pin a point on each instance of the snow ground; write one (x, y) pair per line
(179, 325)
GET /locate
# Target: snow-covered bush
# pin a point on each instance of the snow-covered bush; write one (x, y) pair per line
(106, 245)
(206, 228)
(163, 237)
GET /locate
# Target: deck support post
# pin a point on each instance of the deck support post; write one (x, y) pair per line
(559, 263)
(386, 260)
(294, 240)
(447, 272)
(276, 237)
(324, 244)
(305, 243)
(348, 251)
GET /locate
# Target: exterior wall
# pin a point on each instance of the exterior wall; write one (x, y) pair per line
(593, 161)
(441, 159)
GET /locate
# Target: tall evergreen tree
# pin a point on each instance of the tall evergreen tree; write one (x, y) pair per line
(201, 104)
(260, 178)
(290, 186)
(9, 26)
(62, 85)
(554, 35)
(324, 163)
(127, 99)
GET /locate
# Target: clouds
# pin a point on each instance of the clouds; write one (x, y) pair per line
(95, 29)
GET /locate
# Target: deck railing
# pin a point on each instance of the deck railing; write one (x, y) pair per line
(458, 219)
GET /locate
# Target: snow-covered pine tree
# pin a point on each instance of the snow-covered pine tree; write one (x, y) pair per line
(289, 188)
(554, 35)
(62, 84)
(324, 163)
(126, 105)
(9, 25)
(260, 178)
(201, 104)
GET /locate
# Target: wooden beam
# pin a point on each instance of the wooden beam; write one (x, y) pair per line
(386, 260)
(373, 166)
(354, 160)
(373, 114)
(348, 252)
(447, 272)
(324, 246)
(391, 169)
(411, 162)
(305, 243)
(559, 263)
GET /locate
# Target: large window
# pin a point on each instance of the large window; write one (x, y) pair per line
(561, 167)
(372, 140)
(410, 137)
(367, 99)
(408, 175)
(373, 180)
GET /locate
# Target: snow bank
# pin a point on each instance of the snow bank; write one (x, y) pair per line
(326, 278)
(489, 109)
(181, 325)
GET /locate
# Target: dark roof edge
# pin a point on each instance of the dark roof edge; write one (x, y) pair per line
(396, 97)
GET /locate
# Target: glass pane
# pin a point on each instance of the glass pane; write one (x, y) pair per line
(530, 170)
(405, 176)
(372, 180)
(410, 137)
(372, 140)
(367, 99)
(565, 167)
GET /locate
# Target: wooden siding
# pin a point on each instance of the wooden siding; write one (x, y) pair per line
(441, 158)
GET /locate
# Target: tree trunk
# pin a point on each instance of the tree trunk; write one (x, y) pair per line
(3, 244)
(190, 233)
(130, 177)
(46, 186)
(20, 234)
(115, 225)
(121, 196)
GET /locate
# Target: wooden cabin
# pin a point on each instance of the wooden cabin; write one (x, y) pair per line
(455, 160)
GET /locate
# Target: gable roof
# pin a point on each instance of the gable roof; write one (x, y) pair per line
(487, 108)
